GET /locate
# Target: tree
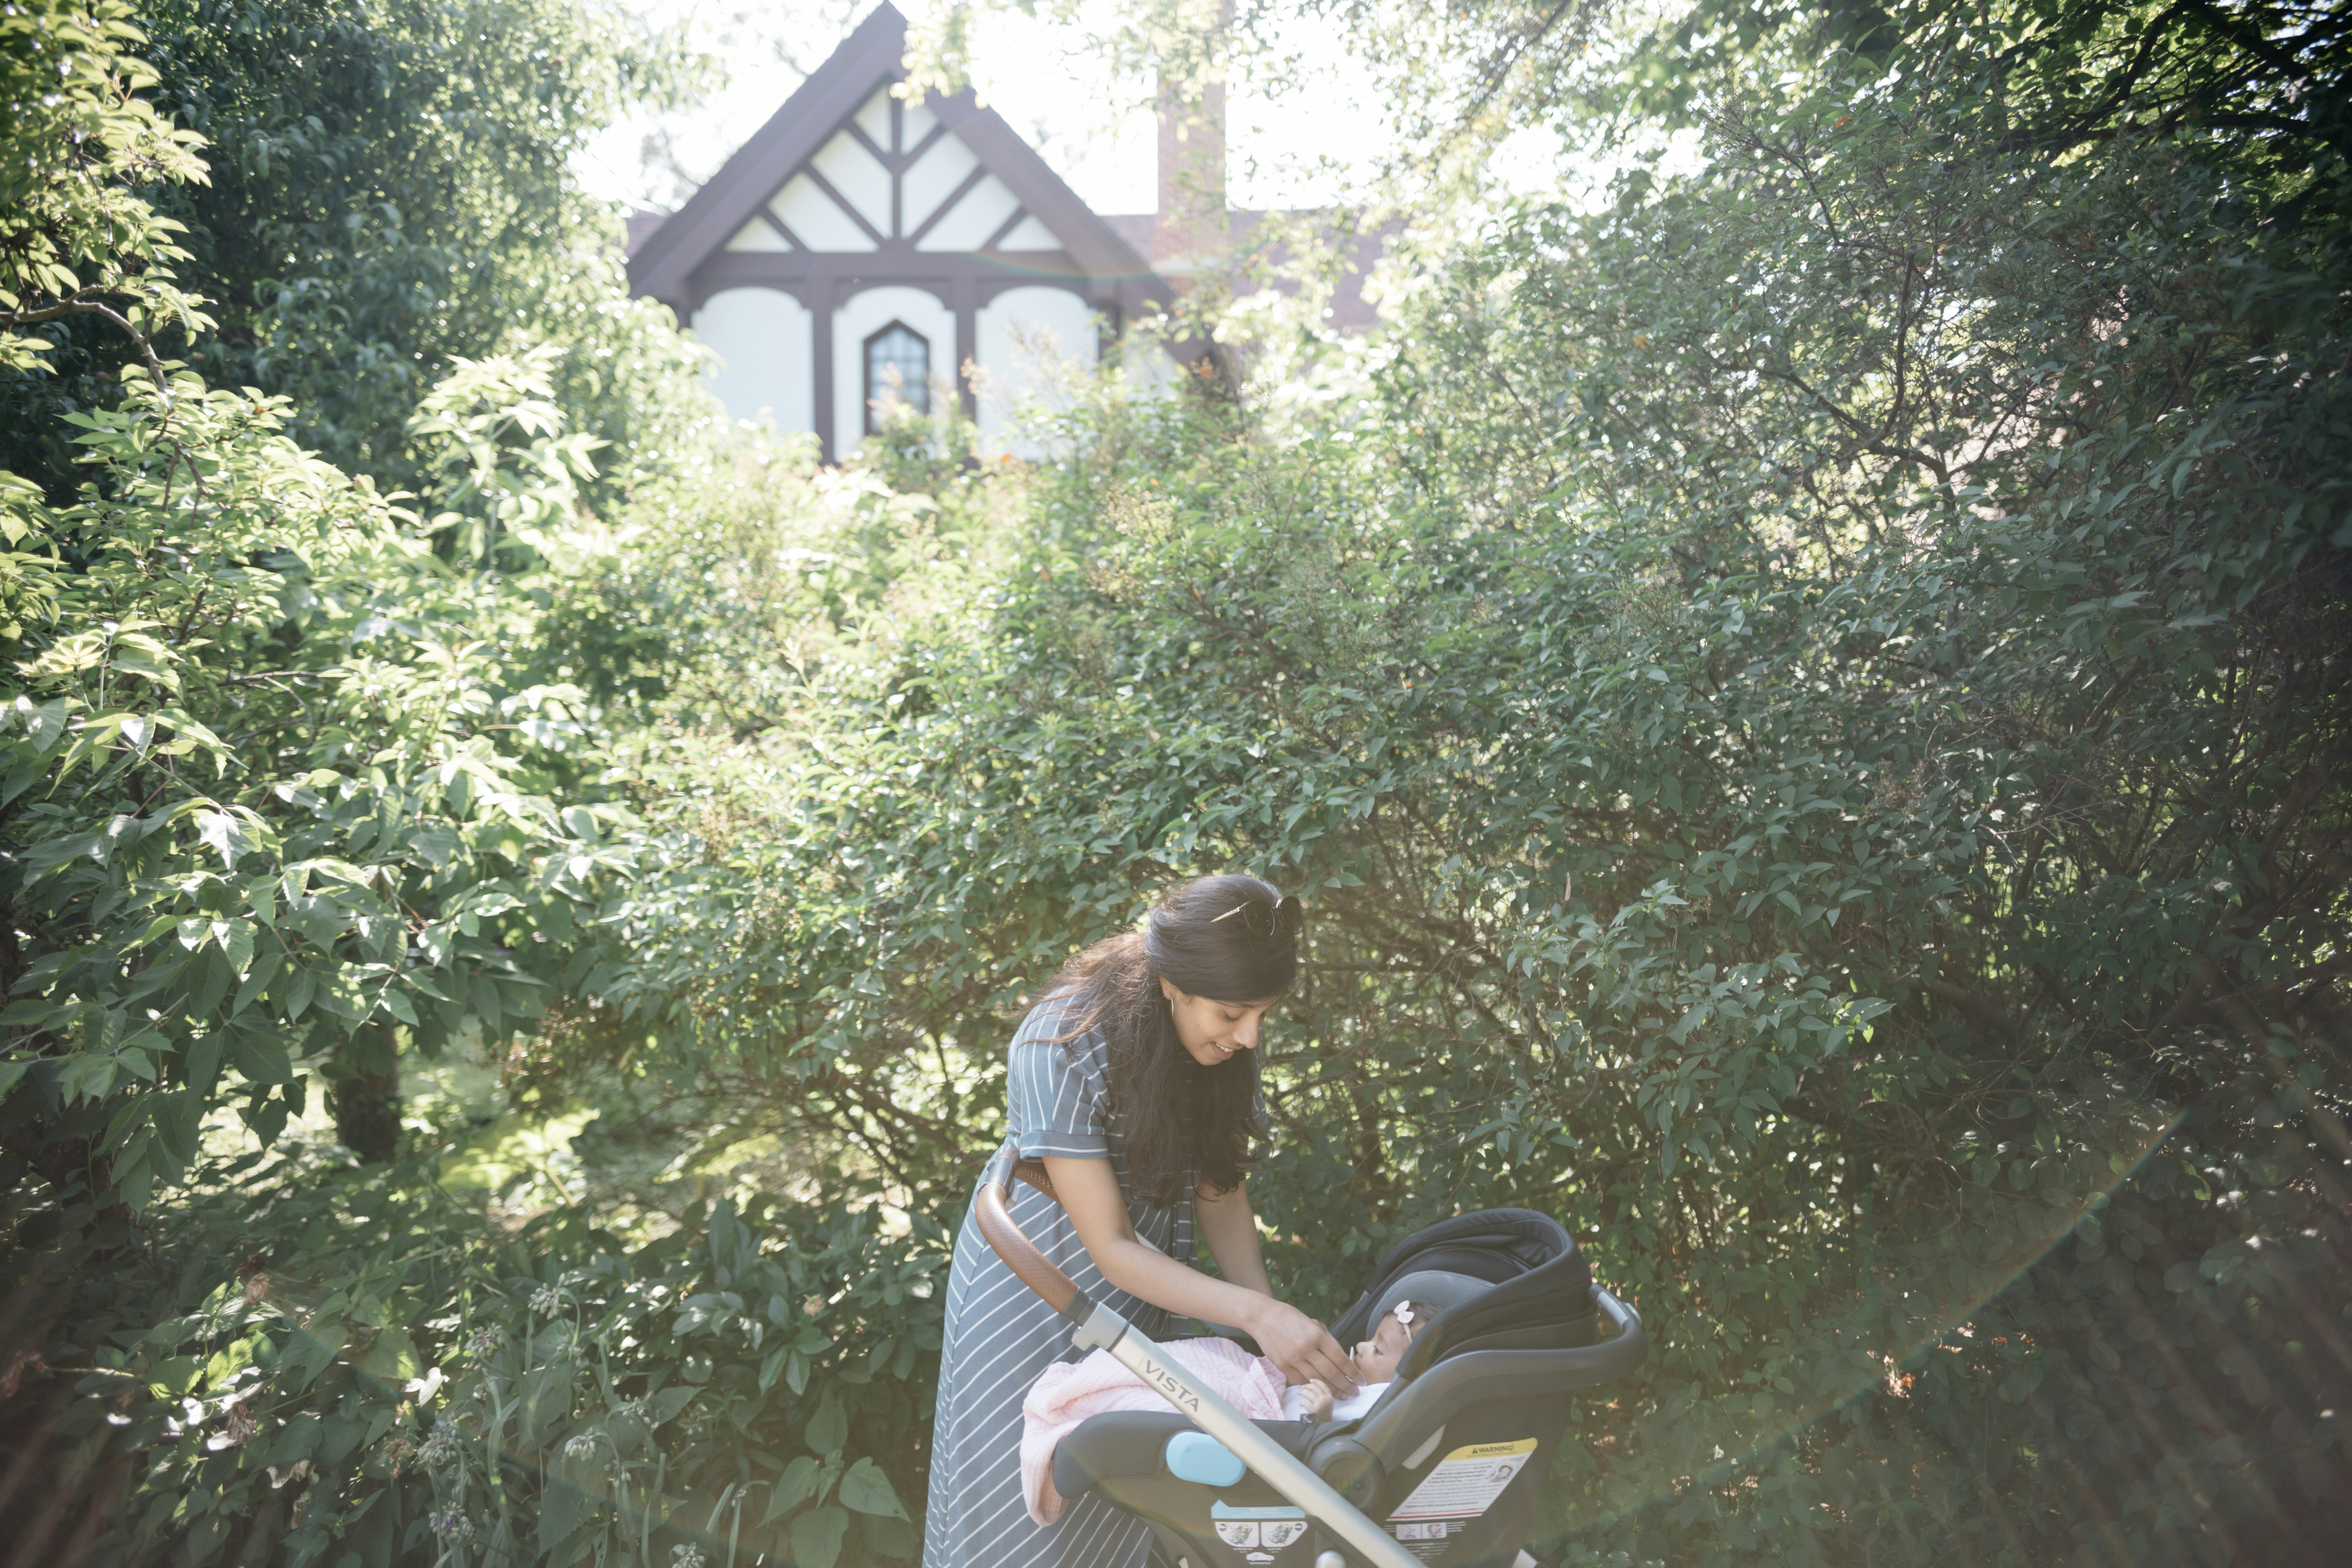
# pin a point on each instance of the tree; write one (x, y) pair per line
(388, 191)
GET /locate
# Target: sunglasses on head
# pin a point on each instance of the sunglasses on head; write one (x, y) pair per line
(1284, 916)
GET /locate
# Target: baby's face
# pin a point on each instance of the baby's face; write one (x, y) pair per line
(1376, 1358)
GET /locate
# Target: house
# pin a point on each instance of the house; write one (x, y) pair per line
(860, 248)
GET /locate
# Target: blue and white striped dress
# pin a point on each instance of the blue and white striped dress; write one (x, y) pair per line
(1001, 1335)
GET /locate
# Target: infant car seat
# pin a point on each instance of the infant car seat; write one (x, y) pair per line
(1450, 1460)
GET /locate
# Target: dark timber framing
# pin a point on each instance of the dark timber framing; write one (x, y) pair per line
(685, 261)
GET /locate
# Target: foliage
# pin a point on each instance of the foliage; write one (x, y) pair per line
(1808, 706)
(379, 1375)
(387, 192)
(2259, 84)
(364, 849)
(1982, 558)
(74, 240)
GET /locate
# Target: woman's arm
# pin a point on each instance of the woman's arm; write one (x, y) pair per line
(1228, 1226)
(1293, 1340)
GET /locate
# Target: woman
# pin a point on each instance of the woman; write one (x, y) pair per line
(1134, 1081)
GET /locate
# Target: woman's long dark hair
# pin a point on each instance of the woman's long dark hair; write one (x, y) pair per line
(1176, 1114)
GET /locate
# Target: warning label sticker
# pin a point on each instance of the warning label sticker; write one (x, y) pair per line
(1463, 1484)
(1427, 1542)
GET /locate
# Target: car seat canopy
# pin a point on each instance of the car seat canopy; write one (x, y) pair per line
(1529, 1255)
(1440, 1288)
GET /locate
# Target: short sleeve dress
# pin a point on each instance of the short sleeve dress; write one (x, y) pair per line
(1001, 1335)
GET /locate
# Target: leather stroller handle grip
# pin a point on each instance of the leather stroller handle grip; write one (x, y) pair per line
(1031, 1171)
(1031, 1266)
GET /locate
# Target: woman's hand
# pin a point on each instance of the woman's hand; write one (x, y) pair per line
(1295, 1341)
(1300, 1346)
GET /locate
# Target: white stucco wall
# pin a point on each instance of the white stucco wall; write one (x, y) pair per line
(863, 183)
(860, 318)
(982, 211)
(1028, 341)
(933, 179)
(767, 350)
(816, 218)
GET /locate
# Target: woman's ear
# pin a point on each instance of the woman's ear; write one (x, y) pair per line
(1168, 989)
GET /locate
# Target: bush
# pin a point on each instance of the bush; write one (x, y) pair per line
(314, 1360)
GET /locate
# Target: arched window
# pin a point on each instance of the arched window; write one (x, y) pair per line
(897, 370)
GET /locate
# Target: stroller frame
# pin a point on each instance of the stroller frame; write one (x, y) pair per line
(1445, 1388)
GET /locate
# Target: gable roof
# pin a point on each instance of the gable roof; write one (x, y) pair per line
(773, 165)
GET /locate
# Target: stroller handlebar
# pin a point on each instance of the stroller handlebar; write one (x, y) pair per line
(1031, 1266)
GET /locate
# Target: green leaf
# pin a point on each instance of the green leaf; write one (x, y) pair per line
(202, 1063)
(53, 852)
(176, 1376)
(261, 1061)
(236, 939)
(396, 1002)
(816, 1536)
(486, 1004)
(265, 968)
(136, 653)
(225, 835)
(864, 1488)
(33, 1014)
(179, 1115)
(300, 986)
(208, 978)
(793, 1487)
(297, 1441)
(314, 1347)
(829, 1429)
(664, 1407)
(47, 725)
(391, 1358)
(316, 919)
(87, 1074)
(561, 1510)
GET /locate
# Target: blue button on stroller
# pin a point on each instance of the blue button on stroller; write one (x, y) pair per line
(1445, 1469)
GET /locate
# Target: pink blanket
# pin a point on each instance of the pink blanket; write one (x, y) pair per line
(1069, 1392)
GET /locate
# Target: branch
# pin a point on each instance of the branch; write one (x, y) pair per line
(1499, 63)
(92, 308)
(2120, 91)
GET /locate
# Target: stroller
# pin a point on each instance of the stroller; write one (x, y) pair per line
(1444, 1468)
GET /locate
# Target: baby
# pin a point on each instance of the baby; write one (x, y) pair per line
(1375, 1362)
(1069, 1392)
